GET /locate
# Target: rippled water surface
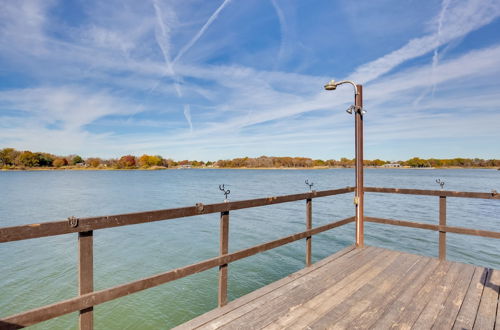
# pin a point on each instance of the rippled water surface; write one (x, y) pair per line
(42, 271)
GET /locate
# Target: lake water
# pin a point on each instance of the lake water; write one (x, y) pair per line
(42, 271)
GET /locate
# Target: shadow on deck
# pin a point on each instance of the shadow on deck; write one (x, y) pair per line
(368, 288)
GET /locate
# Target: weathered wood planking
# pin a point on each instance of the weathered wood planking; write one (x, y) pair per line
(369, 288)
(486, 314)
(450, 308)
(340, 316)
(461, 276)
(239, 305)
(468, 310)
(398, 298)
(295, 295)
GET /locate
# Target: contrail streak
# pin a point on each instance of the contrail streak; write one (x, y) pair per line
(283, 27)
(162, 36)
(201, 31)
(187, 114)
(435, 57)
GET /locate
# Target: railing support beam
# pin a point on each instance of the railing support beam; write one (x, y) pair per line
(86, 276)
(442, 224)
(308, 227)
(224, 249)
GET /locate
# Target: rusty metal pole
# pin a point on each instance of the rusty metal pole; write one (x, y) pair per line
(359, 195)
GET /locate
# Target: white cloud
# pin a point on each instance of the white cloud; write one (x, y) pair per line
(73, 107)
(462, 17)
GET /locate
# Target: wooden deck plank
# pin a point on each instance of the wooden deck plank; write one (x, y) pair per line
(382, 294)
(424, 307)
(396, 299)
(438, 301)
(406, 302)
(486, 314)
(304, 314)
(449, 310)
(468, 311)
(246, 299)
(294, 295)
(267, 306)
(380, 286)
(369, 288)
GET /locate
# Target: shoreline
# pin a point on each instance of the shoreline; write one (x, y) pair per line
(34, 169)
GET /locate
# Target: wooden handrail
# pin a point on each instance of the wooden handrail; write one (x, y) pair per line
(428, 226)
(445, 193)
(442, 227)
(84, 227)
(75, 225)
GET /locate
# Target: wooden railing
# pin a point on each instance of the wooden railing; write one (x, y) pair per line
(88, 298)
(442, 228)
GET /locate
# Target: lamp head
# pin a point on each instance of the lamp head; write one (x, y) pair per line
(331, 85)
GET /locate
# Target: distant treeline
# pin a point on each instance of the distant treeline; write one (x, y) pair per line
(294, 162)
(14, 159)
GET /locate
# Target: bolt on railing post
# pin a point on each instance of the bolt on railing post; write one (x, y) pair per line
(308, 227)
(224, 249)
(86, 276)
(442, 222)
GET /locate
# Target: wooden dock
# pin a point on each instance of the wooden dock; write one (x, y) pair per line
(369, 288)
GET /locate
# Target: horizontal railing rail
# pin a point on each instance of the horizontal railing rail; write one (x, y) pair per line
(427, 226)
(441, 193)
(88, 298)
(75, 225)
(442, 227)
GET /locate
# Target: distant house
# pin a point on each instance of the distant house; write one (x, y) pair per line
(184, 166)
(391, 165)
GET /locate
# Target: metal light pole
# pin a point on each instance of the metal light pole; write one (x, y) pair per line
(357, 108)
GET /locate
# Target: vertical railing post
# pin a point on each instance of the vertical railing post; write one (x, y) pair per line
(86, 276)
(224, 249)
(442, 222)
(308, 227)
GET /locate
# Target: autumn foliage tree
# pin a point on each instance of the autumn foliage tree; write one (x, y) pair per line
(58, 162)
(127, 161)
(148, 161)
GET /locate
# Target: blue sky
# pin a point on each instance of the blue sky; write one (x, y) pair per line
(221, 79)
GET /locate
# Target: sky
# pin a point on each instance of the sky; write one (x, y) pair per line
(217, 79)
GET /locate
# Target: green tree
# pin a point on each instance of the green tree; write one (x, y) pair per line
(76, 160)
(8, 156)
(44, 159)
(28, 159)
